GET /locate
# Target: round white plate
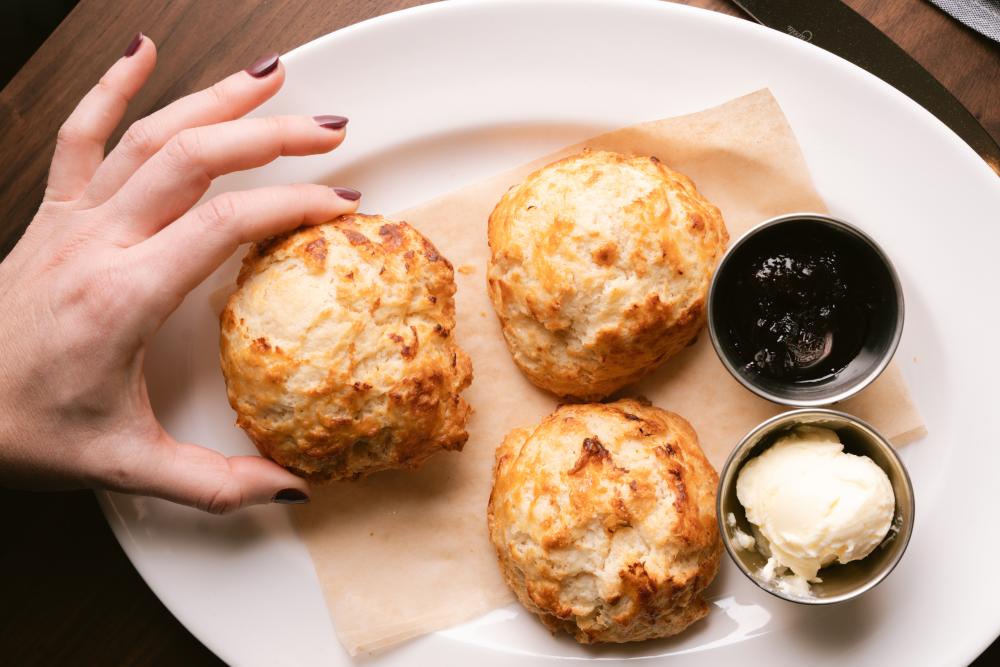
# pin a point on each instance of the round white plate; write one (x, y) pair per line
(446, 94)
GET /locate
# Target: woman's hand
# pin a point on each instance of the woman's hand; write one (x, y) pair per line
(112, 252)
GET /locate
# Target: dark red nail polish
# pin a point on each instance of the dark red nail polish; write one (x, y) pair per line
(331, 122)
(134, 45)
(263, 66)
(290, 497)
(350, 194)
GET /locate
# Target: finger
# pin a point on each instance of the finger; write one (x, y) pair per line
(189, 250)
(170, 182)
(81, 139)
(203, 478)
(231, 98)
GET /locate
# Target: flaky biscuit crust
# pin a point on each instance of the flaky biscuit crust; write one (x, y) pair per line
(599, 269)
(603, 519)
(338, 349)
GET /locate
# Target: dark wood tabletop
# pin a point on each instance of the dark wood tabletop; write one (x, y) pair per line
(70, 596)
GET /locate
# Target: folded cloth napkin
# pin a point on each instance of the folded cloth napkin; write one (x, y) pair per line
(983, 16)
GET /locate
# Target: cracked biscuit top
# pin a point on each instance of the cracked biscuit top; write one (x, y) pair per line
(338, 349)
(603, 519)
(599, 269)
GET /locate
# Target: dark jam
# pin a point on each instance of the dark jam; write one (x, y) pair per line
(799, 305)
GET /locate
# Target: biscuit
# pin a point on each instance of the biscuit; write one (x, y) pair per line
(603, 519)
(338, 349)
(599, 270)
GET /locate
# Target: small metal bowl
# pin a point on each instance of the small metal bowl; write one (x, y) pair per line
(840, 581)
(881, 339)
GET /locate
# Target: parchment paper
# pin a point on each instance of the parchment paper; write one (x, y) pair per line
(404, 553)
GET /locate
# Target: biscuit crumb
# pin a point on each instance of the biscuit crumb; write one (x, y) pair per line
(467, 269)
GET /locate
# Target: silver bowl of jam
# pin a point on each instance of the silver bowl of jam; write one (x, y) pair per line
(805, 310)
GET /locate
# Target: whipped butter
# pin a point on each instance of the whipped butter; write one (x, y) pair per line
(811, 504)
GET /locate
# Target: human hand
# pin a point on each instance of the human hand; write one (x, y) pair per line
(112, 251)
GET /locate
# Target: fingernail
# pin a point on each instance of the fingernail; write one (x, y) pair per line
(290, 497)
(332, 122)
(263, 66)
(350, 194)
(134, 45)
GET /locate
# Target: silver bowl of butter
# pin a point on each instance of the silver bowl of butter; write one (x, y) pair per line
(815, 506)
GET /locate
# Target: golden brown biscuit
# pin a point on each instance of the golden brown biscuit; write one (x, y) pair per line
(599, 269)
(338, 351)
(603, 518)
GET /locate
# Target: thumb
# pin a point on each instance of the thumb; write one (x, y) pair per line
(203, 478)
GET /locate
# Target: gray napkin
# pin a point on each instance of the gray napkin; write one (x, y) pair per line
(983, 16)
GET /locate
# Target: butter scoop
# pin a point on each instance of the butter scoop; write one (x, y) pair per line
(814, 504)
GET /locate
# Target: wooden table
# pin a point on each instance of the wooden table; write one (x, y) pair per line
(70, 596)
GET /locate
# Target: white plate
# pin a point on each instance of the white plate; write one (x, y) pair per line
(447, 94)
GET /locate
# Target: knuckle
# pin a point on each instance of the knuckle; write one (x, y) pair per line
(106, 89)
(184, 149)
(219, 211)
(93, 318)
(278, 131)
(275, 125)
(220, 94)
(100, 298)
(310, 192)
(69, 134)
(223, 500)
(138, 139)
